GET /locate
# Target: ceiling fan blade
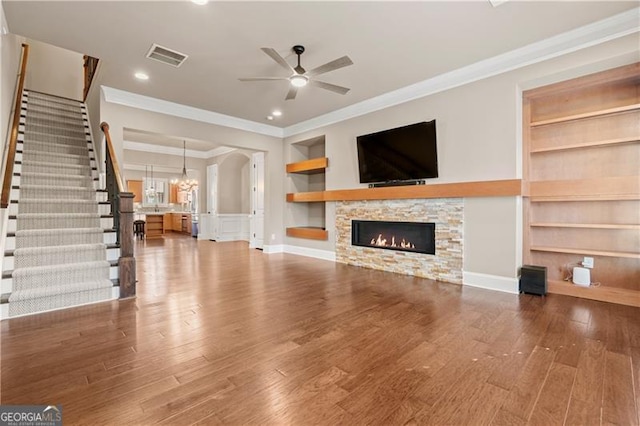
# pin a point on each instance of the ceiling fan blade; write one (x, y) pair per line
(293, 91)
(279, 59)
(334, 88)
(262, 78)
(345, 61)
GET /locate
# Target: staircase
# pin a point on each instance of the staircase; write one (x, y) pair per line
(60, 249)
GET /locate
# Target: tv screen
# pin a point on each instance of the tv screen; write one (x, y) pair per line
(404, 153)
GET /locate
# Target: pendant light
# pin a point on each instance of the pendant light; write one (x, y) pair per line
(185, 184)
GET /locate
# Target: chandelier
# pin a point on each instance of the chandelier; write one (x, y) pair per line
(185, 184)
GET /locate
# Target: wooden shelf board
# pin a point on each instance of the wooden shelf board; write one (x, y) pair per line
(496, 188)
(305, 197)
(604, 294)
(587, 252)
(586, 145)
(627, 186)
(308, 232)
(585, 225)
(314, 165)
(597, 113)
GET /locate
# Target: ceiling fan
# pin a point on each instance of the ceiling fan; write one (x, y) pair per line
(300, 77)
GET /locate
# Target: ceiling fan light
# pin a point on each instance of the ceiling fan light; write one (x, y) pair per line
(298, 80)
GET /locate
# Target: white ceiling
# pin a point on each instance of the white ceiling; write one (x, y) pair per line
(392, 44)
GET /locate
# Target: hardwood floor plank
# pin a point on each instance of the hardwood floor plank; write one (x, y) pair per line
(586, 396)
(619, 405)
(551, 407)
(222, 334)
(522, 397)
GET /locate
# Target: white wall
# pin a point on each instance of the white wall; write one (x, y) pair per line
(55, 70)
(479, 138)
(233, 184)
(10, 56)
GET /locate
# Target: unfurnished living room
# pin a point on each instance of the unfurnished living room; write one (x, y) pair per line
(320, 212)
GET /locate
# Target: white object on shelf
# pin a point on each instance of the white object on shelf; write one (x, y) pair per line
(581, 276)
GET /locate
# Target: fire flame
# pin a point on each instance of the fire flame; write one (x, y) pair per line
(382, 242)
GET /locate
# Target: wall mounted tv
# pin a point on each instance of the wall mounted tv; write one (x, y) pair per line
(406, 153)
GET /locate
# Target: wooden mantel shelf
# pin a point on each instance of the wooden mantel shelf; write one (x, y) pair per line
(495, 188)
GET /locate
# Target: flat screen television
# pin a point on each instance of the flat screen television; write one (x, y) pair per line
(403, 154)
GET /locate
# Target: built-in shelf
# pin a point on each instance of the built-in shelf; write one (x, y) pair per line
(306, 197)
(495, 188)
(607, 142)
(314, 165)
(603, 293)
(591, 114)
(587, 252)
(308, 232)
(586, 225)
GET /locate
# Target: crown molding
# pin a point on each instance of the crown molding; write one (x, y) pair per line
(156, 168)
(611, 28)
(134, 100)
(221, 150)
(617, 26)
(161, 149)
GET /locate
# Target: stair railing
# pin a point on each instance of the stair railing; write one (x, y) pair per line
(122, 211)
(13, 138)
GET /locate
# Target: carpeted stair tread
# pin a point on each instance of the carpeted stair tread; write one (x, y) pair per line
(58, 237)
(48, 164)
(77, 133)
(56, 220)
(41, 292)
(44, 112)
(28, 257)
(30, 135)
(55, 155)
(56, 179)
(80, 149)
(39, 205)
(55, 275)
(65, 193)
(33, 95)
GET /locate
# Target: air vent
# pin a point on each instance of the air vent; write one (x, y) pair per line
(167, 56)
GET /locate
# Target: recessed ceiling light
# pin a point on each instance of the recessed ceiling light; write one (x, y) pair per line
(269, 117)
(276, 113)
(141, 76)
(200, 2)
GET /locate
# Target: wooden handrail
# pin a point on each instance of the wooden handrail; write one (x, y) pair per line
(122, 212)
(90, 66)
(116, 168)
(13, 139)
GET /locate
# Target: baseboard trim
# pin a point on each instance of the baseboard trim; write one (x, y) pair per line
(310, 252)
(490, 282)
(273, 248)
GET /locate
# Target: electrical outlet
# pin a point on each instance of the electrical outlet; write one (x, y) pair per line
(273, 237)
(588, 262)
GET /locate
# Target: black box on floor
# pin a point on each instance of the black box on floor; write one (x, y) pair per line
(533, 279)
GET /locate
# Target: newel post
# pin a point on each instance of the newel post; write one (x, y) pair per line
(126, 262)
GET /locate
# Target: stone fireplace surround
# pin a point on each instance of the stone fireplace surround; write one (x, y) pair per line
(446, 213)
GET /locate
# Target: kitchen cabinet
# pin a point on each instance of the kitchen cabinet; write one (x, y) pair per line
(135, 187)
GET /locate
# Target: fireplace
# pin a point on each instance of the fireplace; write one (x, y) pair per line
(414, 237)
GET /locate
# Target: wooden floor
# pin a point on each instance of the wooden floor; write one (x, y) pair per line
(221, 334)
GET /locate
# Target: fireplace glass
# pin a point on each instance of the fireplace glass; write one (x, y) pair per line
(415, 237)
